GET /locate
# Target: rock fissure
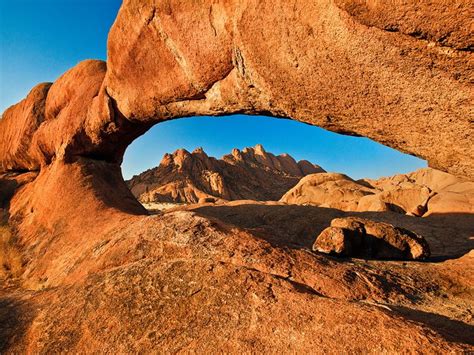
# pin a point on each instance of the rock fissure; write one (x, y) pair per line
(211, 22)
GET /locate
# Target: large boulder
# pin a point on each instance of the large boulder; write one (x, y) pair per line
(358, 237)
(421, 193)
(331, 190)
(411, 200)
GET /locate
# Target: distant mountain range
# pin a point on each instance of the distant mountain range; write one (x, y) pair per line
(248, 174)
(254, 174)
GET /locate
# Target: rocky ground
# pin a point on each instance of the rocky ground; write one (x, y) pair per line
(237, 276)
(202, 277)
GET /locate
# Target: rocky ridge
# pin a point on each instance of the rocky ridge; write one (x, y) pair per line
(250, 174)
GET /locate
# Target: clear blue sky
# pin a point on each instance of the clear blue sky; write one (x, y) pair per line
(39, 40)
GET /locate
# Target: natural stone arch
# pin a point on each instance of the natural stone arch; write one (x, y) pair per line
(352, 68)
(342, 67)
(318, 62)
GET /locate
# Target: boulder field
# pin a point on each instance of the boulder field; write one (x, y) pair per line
(94, 272)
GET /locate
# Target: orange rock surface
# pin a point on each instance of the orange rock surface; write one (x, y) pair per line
(421, 193)
(99, 274)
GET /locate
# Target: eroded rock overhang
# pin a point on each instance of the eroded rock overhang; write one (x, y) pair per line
(351, 67)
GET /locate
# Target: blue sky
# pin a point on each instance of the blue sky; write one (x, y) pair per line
(39, 40)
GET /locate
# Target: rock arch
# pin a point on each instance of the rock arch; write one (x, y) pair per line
(355, 68)
(351, 67)
(399, 75)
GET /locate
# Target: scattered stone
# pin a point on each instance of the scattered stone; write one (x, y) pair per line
(203, 200)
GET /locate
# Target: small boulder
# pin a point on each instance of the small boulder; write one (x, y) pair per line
(208, 199)
(335, 240)
(358, 237)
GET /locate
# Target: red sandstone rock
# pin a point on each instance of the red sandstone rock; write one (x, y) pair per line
(183, 282)
(447, 193)
(17, 128)
(446, 25)
(420, 193)
(327, 190)
(371, 69)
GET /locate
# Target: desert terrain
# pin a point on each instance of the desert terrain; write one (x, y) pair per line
(85, 267)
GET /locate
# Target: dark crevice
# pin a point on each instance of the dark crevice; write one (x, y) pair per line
(151, 17)
(469, 48)
(16, 172)
(210, 21)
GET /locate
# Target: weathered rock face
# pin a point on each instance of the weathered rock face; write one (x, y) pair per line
(18, 125)
(327, 190)
(448, 26)
(362, 68)
(425, 192)
(358, 237)
(250, 174)
(337, 65)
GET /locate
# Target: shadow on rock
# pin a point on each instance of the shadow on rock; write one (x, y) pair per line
(450, 329)
(294, 226)
(15, 318)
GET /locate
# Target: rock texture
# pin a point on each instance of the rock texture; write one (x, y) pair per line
(186, 280)
(447, 193)
(98, 274)
(361, 68)
(358, 237)
(250, 174)
(420, 193)
(343, 66)
(327, 190)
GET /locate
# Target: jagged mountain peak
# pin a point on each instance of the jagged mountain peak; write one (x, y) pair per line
(250, 173)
